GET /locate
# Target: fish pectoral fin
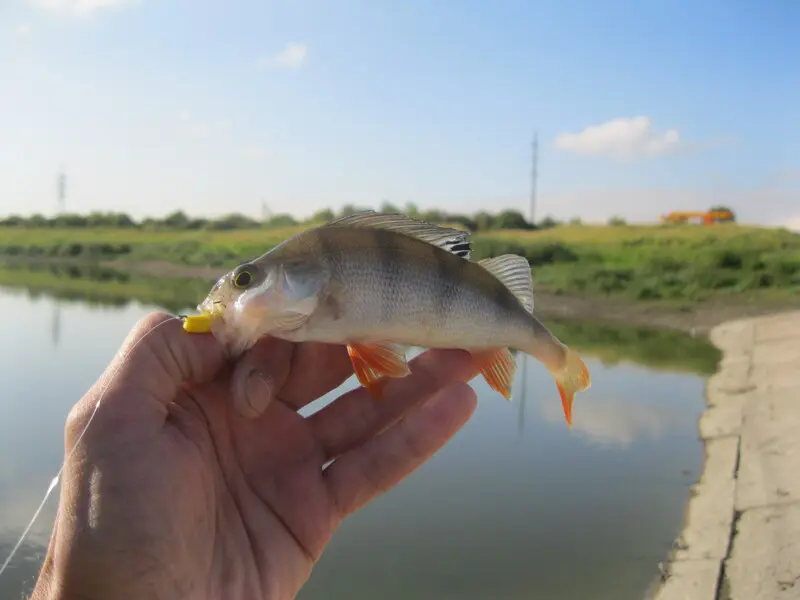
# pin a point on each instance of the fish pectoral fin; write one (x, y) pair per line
(498, 368)
(290, 321)
(295, 318)
(375, 361)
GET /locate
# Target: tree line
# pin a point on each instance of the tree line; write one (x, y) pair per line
(179, 220)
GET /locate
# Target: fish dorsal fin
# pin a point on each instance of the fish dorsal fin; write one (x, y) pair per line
(453, 240)
(514, 272)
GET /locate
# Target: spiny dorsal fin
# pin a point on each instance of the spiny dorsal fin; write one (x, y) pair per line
(515, 273)
(446, 238)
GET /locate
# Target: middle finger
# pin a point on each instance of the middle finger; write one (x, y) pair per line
(355, 416)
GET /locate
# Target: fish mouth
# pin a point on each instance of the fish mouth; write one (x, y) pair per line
(211, 310)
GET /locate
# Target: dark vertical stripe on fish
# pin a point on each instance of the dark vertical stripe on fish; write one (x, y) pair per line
(324, 246)
(448, 271)
(504, 300)
(388, 266)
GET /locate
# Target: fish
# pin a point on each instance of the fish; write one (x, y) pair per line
(379, 283)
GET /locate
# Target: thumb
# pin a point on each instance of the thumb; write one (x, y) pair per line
(154, 361)
(159, 356)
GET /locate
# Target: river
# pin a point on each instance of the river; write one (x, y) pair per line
(517, 506)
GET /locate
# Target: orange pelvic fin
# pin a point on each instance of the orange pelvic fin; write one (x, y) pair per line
(375, 361)
(498, 368)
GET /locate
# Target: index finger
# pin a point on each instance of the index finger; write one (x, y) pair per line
(316, 369)
(299, 373)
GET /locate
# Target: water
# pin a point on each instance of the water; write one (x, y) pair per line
(515, 507)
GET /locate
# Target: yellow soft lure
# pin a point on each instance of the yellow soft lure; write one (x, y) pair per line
(197, 324)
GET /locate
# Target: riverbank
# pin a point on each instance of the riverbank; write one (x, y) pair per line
(696, 318)
(638, 265)
(182, 287)
(741, 539)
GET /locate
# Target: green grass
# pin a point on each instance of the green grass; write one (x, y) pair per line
(99, 285)
(649, 263)
(664, 350)
(654, 348)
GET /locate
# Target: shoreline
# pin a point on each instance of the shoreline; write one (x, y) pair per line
(740, 538)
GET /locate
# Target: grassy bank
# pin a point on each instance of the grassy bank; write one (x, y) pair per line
(657, 349)
(680, 264)
(104, 286)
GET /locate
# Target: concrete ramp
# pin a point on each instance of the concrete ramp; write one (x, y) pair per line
(741, 539)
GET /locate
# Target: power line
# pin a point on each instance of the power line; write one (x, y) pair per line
(61, 191)
(534, 174)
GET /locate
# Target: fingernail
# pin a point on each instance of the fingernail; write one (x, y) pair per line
(257, 395)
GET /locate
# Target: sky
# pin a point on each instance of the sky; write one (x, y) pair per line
(641, 106)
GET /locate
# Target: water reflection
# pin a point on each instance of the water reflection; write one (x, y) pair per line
(621, 419)
(517, 506)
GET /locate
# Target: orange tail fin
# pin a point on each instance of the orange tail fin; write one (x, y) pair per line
(573, 377)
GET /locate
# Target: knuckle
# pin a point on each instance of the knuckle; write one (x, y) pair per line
(75, 423)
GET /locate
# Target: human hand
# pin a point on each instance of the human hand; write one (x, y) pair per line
(173, 494)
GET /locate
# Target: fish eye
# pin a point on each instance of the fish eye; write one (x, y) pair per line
(243, 276)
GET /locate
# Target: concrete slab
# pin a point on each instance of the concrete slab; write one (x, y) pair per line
(728, 381)
(690, 580)
(770, 455)
(765, 560)
(776, 327)
(785, 351)
(733, 334)
(723, 417)
(775, 376)
(710, 515)
(752, 433)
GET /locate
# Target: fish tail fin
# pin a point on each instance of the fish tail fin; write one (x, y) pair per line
(498, 368)
(571, 378)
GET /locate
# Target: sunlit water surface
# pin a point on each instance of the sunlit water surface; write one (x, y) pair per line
(517, 506)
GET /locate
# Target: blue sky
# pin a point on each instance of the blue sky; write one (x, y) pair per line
(641, 106)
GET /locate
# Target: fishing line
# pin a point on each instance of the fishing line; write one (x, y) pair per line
(57, 478)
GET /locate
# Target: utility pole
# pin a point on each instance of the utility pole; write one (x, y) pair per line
(61, 191)
(534, 173)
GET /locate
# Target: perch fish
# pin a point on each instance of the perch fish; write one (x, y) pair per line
(380, 282)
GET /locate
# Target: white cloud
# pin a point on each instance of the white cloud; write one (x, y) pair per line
(621, 138)
(291, 57)
(198, 128)
(78, 7)
(23, 30)
(793, 223)
(254, 151)
(617, 422)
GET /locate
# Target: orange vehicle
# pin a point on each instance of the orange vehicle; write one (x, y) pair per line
(705, 217)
